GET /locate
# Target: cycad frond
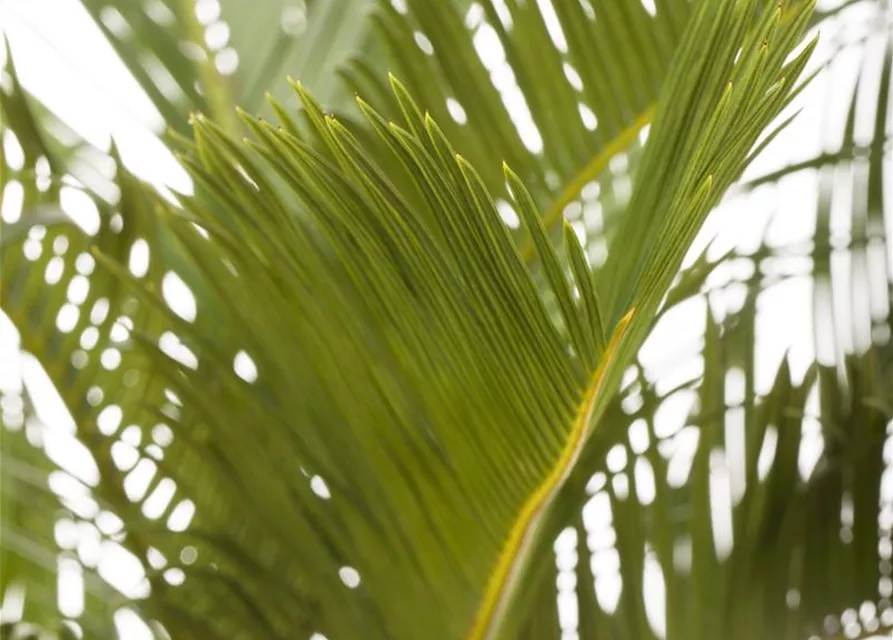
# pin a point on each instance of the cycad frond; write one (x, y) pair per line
(809, 534)
(404, 359)
(389, 400)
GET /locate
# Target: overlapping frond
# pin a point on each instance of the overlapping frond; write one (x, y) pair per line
(77, 321)
(209, 55)
(777, 556)
(169, 52)
(309, 40)
(39, 534)
(430, 323)
(802, 545)
(554, 89)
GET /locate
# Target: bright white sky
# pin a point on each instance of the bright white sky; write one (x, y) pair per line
(66, 63)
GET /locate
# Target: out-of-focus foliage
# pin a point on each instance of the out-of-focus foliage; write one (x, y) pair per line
(208, 55)
(341, 390)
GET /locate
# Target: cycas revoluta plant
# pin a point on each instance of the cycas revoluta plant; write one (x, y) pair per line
(404, 369)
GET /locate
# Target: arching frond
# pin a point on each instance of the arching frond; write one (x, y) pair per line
(403, 359)
(805, 546)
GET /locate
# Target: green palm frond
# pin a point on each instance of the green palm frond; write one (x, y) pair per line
(206, 56)
(154, 40)
(310, 41)
(40, 536)
(382, 417)
(425, 326)
(785, 562)
(554, 89)
(565, 92)
(806, 545)
(79, 321)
